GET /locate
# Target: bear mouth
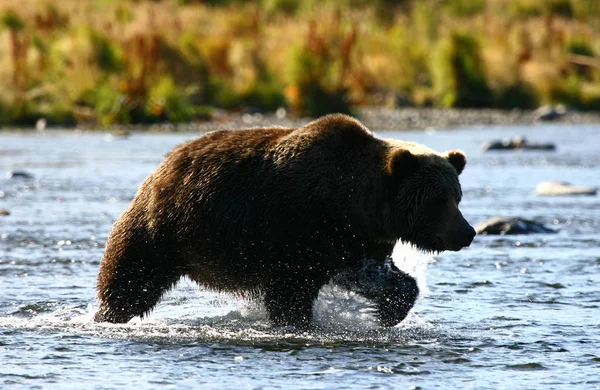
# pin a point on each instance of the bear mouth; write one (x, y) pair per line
(429, 247)
(432, 246)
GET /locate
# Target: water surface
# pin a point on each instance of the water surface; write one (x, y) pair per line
(508, 312)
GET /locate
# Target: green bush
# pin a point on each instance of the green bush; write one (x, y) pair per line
(316, 101)
(183, 61)
(586, 9)
(168, 102)
(518, 95)
(27, 114)
(4, 114)
(571, 92)
(529, 8)
(580, 46)
(562, 8)
(165, 102)
(309, 76)
(264, 95)
(24, 114)
(591, 101)
(464, 8)
(219, 93)
(458, 73)
(11, 20)
(109, 104)
(280, 6)
(567, 92)
(106, 54)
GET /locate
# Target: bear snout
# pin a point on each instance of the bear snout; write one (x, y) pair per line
(465, 236)
(461, 237)
(469, 235)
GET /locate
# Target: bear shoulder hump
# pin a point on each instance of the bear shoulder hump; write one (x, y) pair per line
(340, 128)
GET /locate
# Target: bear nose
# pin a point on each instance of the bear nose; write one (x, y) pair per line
(469, 234)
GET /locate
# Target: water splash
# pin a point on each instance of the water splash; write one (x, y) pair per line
(188, 314)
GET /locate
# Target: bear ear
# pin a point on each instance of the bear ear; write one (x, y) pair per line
(402, 163)
(458, 160)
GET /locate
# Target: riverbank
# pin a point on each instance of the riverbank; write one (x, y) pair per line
(381, 119)
(375, 118)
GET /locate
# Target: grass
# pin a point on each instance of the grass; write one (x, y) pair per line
(105, 61)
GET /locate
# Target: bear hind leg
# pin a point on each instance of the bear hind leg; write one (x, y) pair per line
(131, 283)
(132, 298)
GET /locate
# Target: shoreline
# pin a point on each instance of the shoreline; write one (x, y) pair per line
(375, 118)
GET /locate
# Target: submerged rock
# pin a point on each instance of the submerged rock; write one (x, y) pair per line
(517, 143)
(18, 175)
(511, 225)
(4, 212)
(117, 134)
(558, 188)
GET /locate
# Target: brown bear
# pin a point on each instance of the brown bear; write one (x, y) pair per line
(279, 212)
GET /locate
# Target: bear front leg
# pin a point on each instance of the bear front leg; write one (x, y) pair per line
(291, 303)
(392, 291)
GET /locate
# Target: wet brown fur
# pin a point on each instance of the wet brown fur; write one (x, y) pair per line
(278, 212)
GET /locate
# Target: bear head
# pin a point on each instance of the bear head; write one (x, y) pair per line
(426, 194)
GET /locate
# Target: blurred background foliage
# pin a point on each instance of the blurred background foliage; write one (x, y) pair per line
(106, 61)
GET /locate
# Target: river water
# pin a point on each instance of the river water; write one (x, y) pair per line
(509, 312)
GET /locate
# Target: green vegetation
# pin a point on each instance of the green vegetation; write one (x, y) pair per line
(458, 73)
(104, 62)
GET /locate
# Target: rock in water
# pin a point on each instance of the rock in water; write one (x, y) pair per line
(517, 143)
(511, 225)
(18, 175)
(549, 113)
(558, 188)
